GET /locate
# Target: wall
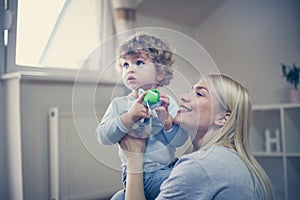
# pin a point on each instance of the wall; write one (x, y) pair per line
(37, 97)
(3, 168)
(146, 21)
(249, 39)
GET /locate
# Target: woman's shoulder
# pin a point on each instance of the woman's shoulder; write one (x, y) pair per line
(215, 159)
(210, 153)
(193, 176)
(184, 178)
(204, 174)
(187, 165)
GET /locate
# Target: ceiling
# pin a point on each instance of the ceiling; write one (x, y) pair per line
(188, 12)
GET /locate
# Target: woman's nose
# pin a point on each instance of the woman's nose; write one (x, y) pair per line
(185, 97)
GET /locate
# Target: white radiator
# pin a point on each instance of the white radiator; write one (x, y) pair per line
(77, 170)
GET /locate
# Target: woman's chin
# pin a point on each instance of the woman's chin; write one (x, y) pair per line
(186, 121)
(183, 117)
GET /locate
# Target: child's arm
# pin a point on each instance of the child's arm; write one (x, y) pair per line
(110, 130)
(135, 113)
(114, 126)
(174, 133)
(163, 113)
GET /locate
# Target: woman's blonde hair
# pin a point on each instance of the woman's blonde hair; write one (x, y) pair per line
(146, 45)
(233, 98)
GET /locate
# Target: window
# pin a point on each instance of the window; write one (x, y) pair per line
(55, 34)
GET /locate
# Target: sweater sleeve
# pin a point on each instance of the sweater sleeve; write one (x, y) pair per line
(111, 129)
(176, 135)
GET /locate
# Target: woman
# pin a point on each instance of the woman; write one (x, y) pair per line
(217, 115)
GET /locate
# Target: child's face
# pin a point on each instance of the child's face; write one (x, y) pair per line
(138, 72)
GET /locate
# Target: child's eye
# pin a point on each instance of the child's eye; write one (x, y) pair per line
(139, 63)
(125, 65)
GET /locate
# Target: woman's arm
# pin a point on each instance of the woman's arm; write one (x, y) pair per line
(133, 148)
(134, 181)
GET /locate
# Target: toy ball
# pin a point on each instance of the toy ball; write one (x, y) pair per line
(152, 97)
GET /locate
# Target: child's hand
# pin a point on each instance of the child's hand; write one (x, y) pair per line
(163, 113)
(138, 110)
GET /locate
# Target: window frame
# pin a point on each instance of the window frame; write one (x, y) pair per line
(9, 52)
(11, 65)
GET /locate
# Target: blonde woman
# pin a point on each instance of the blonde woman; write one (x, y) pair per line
(217, 115)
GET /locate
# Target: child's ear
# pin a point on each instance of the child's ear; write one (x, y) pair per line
(221, 118)
(160, 76)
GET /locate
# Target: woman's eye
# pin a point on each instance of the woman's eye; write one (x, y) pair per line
(125, 65)
(197, 92)
(139, 63)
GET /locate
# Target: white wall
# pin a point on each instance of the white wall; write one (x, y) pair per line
(36, 98)
(34, 128)
(3, 168)
(146, 21)
(249, 39)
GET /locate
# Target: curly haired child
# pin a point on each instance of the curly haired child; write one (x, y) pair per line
(145, 62)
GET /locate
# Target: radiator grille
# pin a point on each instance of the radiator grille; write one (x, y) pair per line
(75, 173)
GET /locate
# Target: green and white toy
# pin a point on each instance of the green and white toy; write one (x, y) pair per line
(152, 98)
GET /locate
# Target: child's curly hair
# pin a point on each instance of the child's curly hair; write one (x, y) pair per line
(145, 45)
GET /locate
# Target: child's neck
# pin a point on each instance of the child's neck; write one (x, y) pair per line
(135, 93)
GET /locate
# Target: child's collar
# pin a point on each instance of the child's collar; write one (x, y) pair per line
(137, 93)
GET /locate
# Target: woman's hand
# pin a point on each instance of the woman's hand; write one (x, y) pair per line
(133, 148)
(133, 144)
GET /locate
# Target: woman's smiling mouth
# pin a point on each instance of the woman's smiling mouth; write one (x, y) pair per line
(184, 109)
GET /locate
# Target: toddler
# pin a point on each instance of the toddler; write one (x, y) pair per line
(145, 61)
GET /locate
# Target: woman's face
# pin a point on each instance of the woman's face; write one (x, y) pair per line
(196, 110)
